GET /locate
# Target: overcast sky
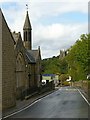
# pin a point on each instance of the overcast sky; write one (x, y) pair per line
(56, 24)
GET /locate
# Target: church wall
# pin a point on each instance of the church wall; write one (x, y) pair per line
(0, 65)
(20, 74)
(32, 78)
(38, 73)
(20, 70)
(27, 44)
(8, 69)
(26, 75)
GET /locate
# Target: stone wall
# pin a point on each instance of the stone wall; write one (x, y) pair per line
(8, 68)
(0, 65)
(84, 85)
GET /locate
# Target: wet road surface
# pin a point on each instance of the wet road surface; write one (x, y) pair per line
(64, 103)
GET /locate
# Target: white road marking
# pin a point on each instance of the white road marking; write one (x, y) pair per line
(70, 89)
(28, 106)
(21, 109)
(40, 100)
(83, 97)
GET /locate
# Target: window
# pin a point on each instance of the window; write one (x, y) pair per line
(29, 38)
(25, 36)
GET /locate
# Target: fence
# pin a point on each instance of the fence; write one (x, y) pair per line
(24, 93)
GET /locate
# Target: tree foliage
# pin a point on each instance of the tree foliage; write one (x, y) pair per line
(77, 58)
(54, 65)
(76, 63)
(64, 77)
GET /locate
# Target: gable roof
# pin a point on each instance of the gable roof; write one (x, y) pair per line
(3, 19)
(18, 42)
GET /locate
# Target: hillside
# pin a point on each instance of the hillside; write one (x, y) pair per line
(75, 63)
(54, 65)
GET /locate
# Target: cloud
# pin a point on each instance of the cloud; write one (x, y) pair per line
(40, 9)
(46, 8)
(54, 37)
(46, 1)
(2, 1)
(53, 31)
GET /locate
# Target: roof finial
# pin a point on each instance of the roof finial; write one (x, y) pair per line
(27, 7)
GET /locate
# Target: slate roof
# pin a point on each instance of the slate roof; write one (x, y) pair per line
(29, 57)
(27, 24)
(32, 56)
(53, 75)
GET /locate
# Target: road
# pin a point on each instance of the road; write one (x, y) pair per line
(67, 102)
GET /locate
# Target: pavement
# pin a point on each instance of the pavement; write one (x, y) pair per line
(66, 102)
(23, 104)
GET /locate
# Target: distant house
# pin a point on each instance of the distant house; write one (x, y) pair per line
(63, 53)
(51, 77)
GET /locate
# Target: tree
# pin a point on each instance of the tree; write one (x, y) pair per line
(55, 65)
(63, 66)
(77, 58)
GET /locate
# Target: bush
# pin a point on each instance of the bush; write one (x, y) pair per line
(64, 77)
(66, 83)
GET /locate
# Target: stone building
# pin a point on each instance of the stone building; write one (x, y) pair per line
(28, 61)
(21, 66)
(63, 53)
(7, 65)
(32, 56)
(20, 62)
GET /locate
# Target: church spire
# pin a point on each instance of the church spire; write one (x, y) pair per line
(27, 24)
(27, 32)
